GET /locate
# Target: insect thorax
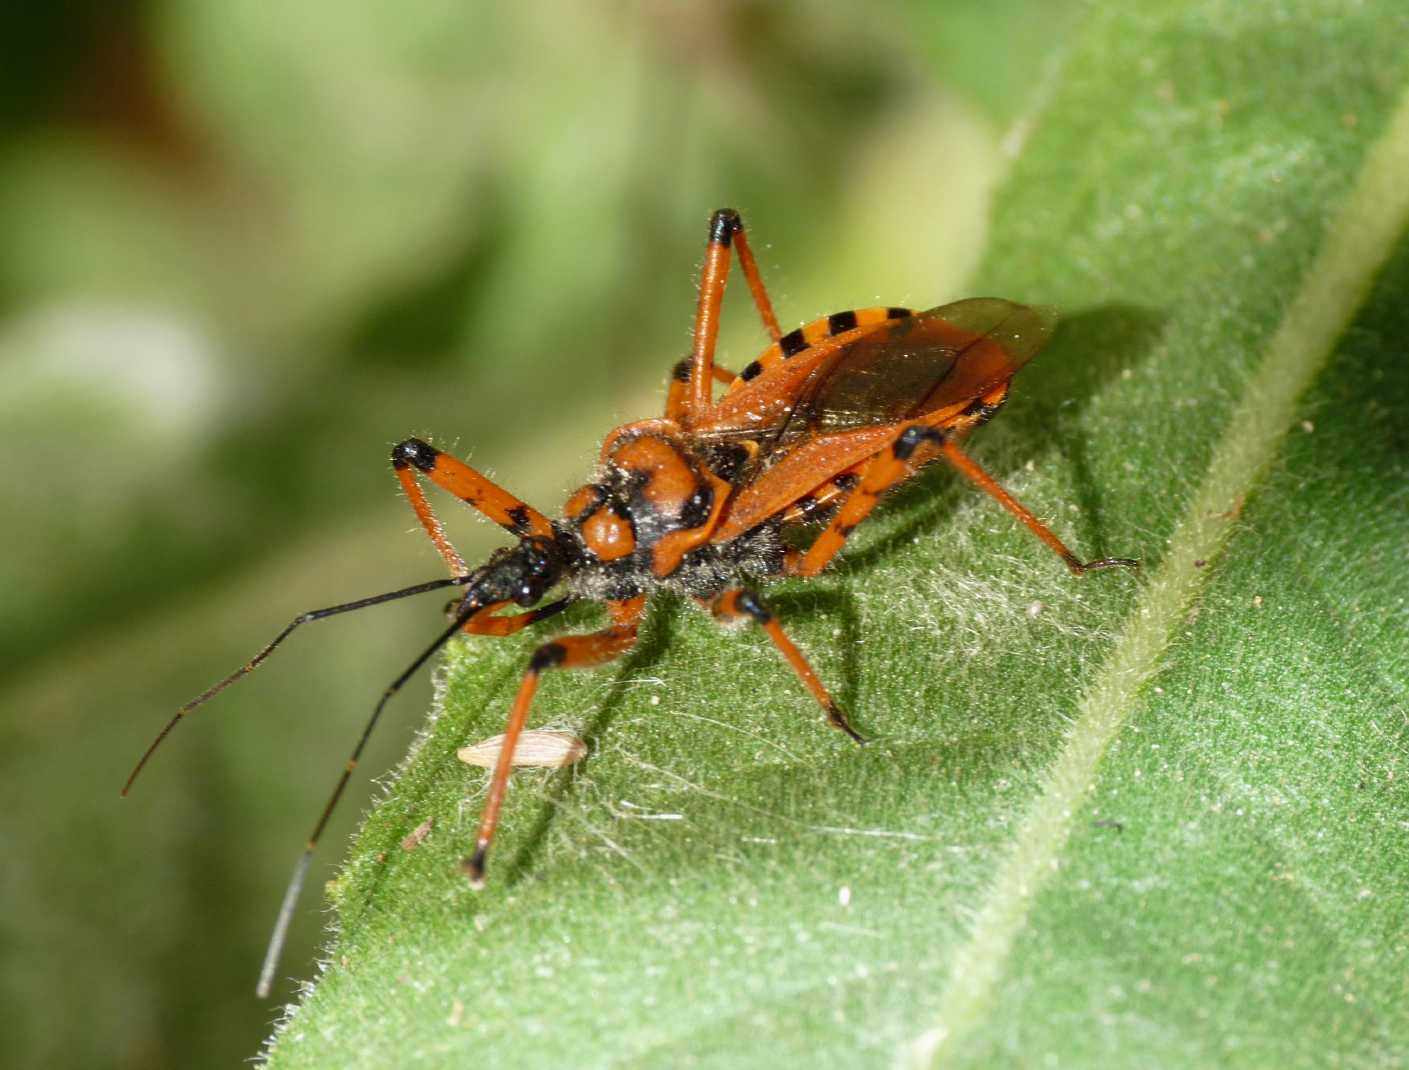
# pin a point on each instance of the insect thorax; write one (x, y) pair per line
(644, 523)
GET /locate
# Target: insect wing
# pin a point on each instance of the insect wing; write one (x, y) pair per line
(850, 406)
(915, 366)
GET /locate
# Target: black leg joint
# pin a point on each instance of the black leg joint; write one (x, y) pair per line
(547, 656)
(723, 225)
(414, 452)
(983, 411)
(681, 372)
(518, 520)
(750, 603)
(911, 438)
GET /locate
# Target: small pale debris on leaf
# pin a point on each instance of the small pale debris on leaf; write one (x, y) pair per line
(457, 1012)
(1257, 601)
(546, 749)
(844, 895)
(1034, 609)
(1308, 426)
(417, 835)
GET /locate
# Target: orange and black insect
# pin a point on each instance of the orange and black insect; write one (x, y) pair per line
(705, 500)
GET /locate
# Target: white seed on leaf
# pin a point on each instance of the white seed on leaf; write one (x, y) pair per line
(544, 749)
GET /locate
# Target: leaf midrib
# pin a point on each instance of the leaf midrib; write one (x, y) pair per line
(1358, 240)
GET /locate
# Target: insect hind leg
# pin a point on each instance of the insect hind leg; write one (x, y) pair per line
(970, 469)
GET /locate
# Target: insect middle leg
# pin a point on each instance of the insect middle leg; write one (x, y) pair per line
(740, 603)
(567, 652)
(726, 231)
(413, 455)
(884, 470)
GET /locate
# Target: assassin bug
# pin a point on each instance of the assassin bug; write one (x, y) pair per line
(704, 499)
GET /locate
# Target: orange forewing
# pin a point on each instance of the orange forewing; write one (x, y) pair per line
(823, 412)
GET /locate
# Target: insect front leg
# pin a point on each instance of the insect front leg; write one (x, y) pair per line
(726, 231)
(568, 652)
(485, 622)
(472, 488)
(740, 603)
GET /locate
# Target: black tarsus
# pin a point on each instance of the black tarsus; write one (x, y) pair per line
(1106, 562)
(474, 865)
(838, 719)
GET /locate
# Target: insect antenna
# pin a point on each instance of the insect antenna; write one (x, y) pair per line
(253, 663)
(286, 908)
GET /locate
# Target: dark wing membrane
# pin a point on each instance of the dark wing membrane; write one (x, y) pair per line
(914, 366)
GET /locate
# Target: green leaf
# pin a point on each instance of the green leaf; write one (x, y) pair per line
(1149, 821)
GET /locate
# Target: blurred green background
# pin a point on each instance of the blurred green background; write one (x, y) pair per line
(245, 248)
